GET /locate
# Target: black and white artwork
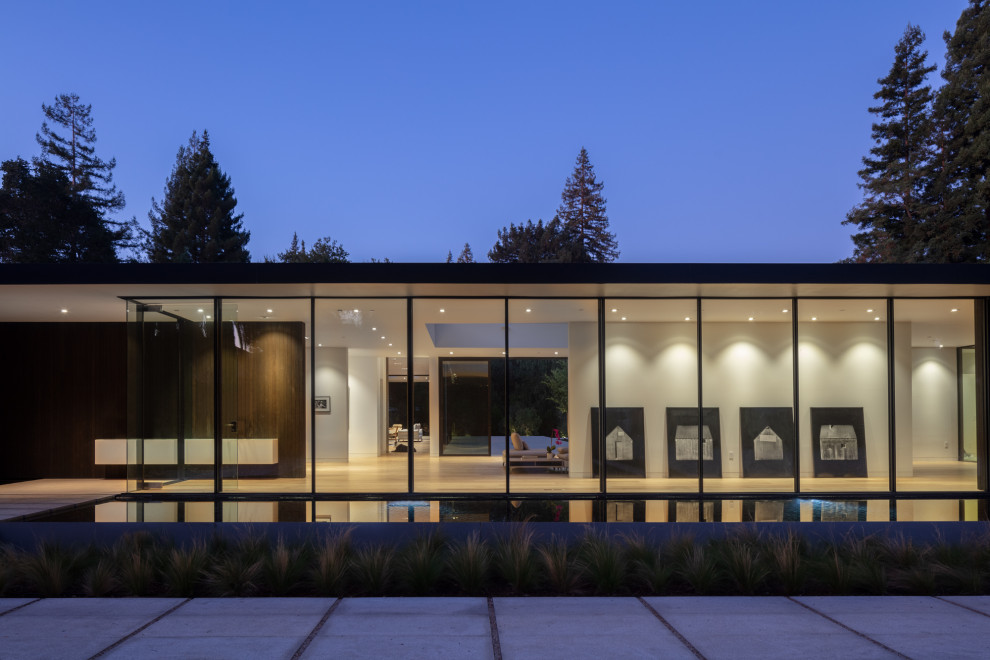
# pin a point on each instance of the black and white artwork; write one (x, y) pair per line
(767, 440)
(771, 511)
(684, 448)
(625, 511)
(838, 442)
(321, 404)
(625, 442)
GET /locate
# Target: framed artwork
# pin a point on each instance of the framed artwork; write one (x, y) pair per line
(694, 511)
(838, 442)
(767, 442)
(771, 511)
(321, 404)
(683, 443)
(839, 511)
(625, 442)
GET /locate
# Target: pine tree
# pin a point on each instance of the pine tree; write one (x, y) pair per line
(294, 255)
(961, 190)
(195, 221)
(42, 221)
(895, 175)
(68, 143)
(450, 257)
(582, 211)
(327, 251)
(466, 256)
(539, 243)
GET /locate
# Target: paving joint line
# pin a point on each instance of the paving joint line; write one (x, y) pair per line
(683, 640)
(852, 630)
(14, 609)
(496, 643)
(965, 607)
(135, 632)
(319, 626)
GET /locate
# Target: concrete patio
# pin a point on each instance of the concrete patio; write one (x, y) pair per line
(566, 628)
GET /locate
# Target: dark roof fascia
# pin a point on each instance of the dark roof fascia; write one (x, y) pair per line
(433, 273)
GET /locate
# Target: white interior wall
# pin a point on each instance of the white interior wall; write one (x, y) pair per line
(744, 365)
(331, 428)
(435, 428)
(366, 407)
(934, 404)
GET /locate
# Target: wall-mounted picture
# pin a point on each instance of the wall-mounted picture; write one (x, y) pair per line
(625, 442)
(771, 511)
(321, 404)
(684, 448)
(838, 442)
(694, 511)
(767, 441)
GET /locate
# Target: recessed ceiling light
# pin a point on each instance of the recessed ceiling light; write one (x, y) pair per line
(208, 316)
(870, 311)
(954, 309)
(614, 310)
(503, 352)
(442, 310)
(390, 344)
(452, 352)
(623, 318)
(199, 311)
(357, 311)
(320, 345)
(940, 345)
(556, 352)
(383, 336)
(784, 311)
(400, 352)
(373, 329)
(814, 318)
(876, 318)
(528, 310)
(269, 311)
(64, 310)
(687, 318)
(750, 318)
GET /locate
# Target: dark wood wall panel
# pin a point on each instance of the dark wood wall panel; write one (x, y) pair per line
(64, 385)
(271, 388)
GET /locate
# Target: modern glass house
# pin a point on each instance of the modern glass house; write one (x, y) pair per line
(369, 391)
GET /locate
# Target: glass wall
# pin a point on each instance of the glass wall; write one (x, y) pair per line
(935, 386)
(748, 394)
(361, 434)
(552, 394)
(463, 343)
(170, 413)
(324, 401)
(651, 396)
(843, 418)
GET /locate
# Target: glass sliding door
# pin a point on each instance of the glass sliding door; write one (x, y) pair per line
(360, 371)
(459, 345)
(844, 414)
(651, 397)
(170, 410)
(748, 386)
(552, 395)
(935, 386)
(265, 395)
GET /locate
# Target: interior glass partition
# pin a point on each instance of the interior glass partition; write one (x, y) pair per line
(170, 367)
(748, 396)
(844, 414)
(362, 438)
(552, 391)
(462, 342)
(651, 398)
(265, 399)
(935, 386)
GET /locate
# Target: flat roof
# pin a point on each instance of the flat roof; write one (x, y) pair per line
(30, 292)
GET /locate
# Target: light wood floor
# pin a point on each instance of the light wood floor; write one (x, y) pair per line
(484, 474)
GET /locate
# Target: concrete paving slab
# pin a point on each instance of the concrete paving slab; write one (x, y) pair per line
(214, 647)
(68, 628)
(568, 628)
(242, 617)
(760, 627)
(917, 626)
(8, 604)
(979, 603)
(406, 628)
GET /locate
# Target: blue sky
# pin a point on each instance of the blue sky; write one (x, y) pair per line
(724, 131)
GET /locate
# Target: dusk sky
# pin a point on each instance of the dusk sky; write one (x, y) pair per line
(723, 131)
